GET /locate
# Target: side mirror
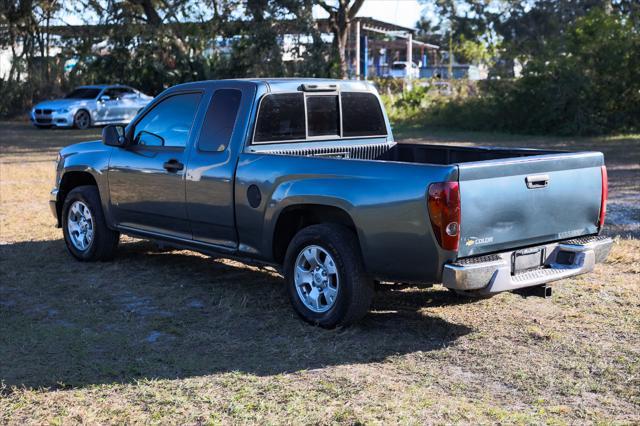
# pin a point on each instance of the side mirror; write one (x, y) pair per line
(113, 135)
(104, 98)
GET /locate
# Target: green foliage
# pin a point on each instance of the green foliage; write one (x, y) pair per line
(154, 45)
(412, 99)
(585, 82)
(500, 32)
(416, 105)
(13, 95)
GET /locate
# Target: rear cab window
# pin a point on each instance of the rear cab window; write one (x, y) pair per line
(308, 117)
(323, 115)
(281, 118)
(362, 115)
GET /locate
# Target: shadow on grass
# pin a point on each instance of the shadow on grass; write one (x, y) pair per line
(22, 138)
(162, 314)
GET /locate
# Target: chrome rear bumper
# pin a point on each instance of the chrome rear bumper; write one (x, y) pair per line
(494, 273)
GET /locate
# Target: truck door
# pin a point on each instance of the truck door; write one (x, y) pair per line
(212, 165)
(147, 178)
(110, 110)
(129, 104)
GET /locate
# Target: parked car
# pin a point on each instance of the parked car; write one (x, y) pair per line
(305, 175)
(89, 106)
(402, 69)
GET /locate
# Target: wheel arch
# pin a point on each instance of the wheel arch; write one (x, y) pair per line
(293, 218)
(70, 180)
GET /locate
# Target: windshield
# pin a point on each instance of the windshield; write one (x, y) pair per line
(83, 93)
(398, 66)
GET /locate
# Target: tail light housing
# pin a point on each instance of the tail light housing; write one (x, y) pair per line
(604, 196)
(444, 212)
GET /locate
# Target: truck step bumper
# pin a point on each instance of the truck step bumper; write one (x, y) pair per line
(495, 273)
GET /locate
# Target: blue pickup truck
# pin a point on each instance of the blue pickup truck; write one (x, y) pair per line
(304, 174)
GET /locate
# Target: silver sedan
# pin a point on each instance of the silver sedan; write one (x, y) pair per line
(89, 106)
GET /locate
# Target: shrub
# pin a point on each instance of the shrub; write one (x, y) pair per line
(587, 83)
(15, 97)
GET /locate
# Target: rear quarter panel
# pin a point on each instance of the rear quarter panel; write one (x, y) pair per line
(385, 200)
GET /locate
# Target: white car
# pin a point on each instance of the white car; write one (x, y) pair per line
(88, 106)
(403, 69)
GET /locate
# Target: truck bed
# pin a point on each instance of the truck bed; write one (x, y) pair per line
(398, 152)
(446, 154)
(510, 198)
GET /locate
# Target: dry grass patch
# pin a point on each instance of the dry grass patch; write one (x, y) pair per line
(161, 336)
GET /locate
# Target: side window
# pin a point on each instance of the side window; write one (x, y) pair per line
(169, 122)
(323, 116)
(220, 120)
(281, 118)
(361, 115)
(116, 93)
(126, 92)
(113, 94)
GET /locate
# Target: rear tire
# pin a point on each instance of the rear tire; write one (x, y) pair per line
(85, 231)
(345, 295)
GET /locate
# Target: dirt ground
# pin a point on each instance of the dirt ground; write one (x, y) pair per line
(160, 336)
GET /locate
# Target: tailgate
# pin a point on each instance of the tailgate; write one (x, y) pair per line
(519, 202)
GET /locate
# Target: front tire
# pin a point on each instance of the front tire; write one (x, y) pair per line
(85, 231)
(325, 276)
(82, 120)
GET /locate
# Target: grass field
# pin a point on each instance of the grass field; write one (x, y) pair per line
(161, 336)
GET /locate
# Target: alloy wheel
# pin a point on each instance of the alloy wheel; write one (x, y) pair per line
(316, 278)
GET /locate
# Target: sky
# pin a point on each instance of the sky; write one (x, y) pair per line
(399, 12)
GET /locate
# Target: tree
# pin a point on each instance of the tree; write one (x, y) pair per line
(585, 81)
(340, 17)
(24, 32)
(154, 44)
(517, 29)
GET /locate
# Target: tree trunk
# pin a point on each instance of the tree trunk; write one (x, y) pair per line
(340, 17)
(342, 51)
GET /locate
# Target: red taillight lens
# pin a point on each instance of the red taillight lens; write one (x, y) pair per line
(444, 212)
(603, 198)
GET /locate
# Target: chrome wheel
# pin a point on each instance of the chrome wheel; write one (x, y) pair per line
(80, 225)
(316, 278)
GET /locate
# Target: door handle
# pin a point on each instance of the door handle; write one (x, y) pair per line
(173, 165)
(537, 181)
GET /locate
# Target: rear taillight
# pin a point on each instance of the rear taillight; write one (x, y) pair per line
(603, 198)
(444, 212)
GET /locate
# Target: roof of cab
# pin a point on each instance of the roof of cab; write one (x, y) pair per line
(276, 85)
(293, 84)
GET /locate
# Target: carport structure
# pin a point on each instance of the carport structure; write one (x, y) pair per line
(374, 45)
